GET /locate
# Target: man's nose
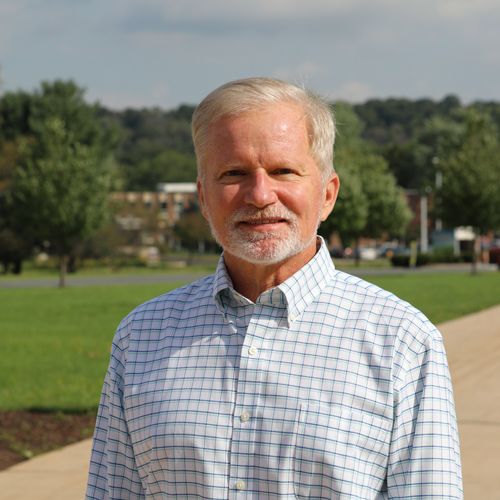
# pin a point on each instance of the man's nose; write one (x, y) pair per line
(261, 190)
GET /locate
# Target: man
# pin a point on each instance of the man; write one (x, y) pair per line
(277, 377)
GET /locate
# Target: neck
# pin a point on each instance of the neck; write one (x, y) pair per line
(251, 280)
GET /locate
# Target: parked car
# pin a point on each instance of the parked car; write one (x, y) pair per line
(387, 249)
(337, 253)
(365, 253)
(495, 252)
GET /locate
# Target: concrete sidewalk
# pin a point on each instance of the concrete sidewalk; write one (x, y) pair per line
(57, 475)
(473, 347)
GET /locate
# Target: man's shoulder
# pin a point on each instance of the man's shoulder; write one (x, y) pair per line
(182, 300)
(357, 296)
(360, 288)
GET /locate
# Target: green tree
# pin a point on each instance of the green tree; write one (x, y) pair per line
(397, 121)
(156, 146)
(60, 190)
(350, 213)
(469, 195)
(24, 114)
(23, 126)
(370, 203)
(388, 210)
(439, 139)
(167, 166)
(15, 244)
(191, 229)
(413, 163)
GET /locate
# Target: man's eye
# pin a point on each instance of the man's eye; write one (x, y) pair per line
(233, 173)
(285, 171)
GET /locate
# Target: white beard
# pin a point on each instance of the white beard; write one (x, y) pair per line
(263, 247)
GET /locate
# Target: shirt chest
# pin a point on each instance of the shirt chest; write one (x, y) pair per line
(258, 396)
(258, 361)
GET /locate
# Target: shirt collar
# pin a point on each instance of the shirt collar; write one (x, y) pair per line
(297, 292)
(302, 288)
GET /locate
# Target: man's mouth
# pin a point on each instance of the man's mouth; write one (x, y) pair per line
(262, 221)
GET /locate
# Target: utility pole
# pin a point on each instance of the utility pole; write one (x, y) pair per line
(439, 185)
(424, 237)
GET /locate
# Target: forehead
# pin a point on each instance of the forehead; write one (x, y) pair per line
(281, 122)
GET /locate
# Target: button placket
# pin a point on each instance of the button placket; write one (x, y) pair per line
(249, 375)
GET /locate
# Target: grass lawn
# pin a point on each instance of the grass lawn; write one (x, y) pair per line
(55, 343)
(444, 296)
(32, 272)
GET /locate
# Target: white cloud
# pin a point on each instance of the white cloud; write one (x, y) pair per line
(7, 7)
(463, 9)
(194, 10)
(185, 13)
(118, 49)
(220, 17)
(159, 91)
(65, 48)
(299, 74)
(492, 56)
(121, 99)
(421, 86)
(352, 92)
(8, 11)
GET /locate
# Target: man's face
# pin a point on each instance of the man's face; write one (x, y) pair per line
(262, 191)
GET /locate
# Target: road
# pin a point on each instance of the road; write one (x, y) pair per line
(102, 280)
(189, 277)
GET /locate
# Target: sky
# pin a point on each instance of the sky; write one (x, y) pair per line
(131, 53)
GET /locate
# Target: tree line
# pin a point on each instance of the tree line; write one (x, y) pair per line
(60, 157)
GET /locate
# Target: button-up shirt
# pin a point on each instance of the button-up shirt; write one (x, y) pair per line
(327, 387)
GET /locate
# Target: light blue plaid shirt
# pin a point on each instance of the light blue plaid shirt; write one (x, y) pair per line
(326, 387)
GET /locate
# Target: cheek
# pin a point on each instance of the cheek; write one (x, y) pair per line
(227, 198)
(303, 201)
(221, 203)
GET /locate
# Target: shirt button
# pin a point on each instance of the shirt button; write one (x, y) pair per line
(240, 485)
(252, 351)
(292, 317)
(244, 417)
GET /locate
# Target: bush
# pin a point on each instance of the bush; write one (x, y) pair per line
(466, 257)
(404, 260)
(437, 257)
(445, 256)
(400, 260)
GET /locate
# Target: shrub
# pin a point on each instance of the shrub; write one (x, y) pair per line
(437, 257)
(404, 260)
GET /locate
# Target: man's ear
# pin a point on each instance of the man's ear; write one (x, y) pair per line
(331, 192)
(201, 197)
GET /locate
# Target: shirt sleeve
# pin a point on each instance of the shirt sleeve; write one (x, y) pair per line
(424, 460)
(113, 473)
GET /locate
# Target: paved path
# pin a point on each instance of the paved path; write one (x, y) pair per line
(103, 280)
(58, 475)
(473, 347)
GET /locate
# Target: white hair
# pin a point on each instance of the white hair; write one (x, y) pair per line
(253, 94)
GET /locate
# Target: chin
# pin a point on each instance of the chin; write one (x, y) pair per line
(267, 252)
(263, 248)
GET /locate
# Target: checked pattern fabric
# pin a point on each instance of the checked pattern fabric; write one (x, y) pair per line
(327, 387)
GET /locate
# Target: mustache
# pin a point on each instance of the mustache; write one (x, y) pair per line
(256, 214)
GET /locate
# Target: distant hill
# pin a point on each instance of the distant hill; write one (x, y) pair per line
(156, 146)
